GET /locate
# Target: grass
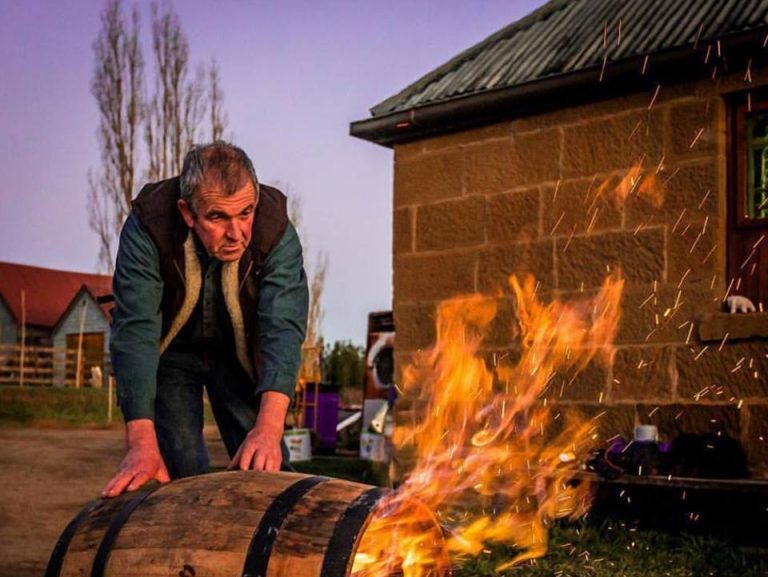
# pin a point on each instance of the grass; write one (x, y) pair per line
(611, 550)
(61, 407)
(350, 469)
(582, 549)
(46, 406)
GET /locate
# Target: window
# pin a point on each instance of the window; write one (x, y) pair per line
(756, 200)
(748, 197)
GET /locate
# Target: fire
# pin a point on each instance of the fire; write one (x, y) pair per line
(644, 185)
(490, 465)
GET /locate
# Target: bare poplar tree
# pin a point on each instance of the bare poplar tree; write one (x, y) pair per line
(171, 120)
(316, 273)
(178, 106)
(216, 99)
(117, 86)
(316, 313)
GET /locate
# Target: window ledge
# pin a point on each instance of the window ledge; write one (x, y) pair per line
(737, 326)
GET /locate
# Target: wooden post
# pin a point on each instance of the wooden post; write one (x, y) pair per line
(78, 366)
(315, 413)
(23, 336)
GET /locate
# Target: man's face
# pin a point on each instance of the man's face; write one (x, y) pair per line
(222, 223)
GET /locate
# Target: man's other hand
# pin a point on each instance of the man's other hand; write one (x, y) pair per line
(141, 464)
(261, 449)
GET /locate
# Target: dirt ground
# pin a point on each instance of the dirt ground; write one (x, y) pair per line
(46, 477)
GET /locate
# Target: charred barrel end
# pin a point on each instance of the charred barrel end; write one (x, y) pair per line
(398, 530)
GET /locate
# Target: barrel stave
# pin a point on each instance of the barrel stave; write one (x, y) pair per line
(217, 512)
(186, 562)
(302, 543)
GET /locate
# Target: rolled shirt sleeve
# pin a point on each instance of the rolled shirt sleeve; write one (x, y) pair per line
(136, 321)
(282, 311)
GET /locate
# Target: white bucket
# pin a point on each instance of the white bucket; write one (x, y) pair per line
(374, 447)
(646, 434)
(299, 444)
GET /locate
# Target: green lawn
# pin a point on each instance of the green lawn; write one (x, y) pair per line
(61, 407)
(580, 550)
(39, 406)
(585, 550)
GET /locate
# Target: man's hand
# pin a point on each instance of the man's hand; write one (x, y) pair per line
(261, 448)
(142, 463)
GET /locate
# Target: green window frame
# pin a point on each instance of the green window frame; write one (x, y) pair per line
(755, 202)
(747, 195)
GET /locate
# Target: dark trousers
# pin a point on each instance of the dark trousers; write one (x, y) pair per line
(181, 377)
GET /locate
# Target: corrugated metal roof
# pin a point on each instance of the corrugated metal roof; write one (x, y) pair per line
(48, 292)
(567, 36)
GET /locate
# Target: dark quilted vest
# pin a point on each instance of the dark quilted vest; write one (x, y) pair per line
(156, 208)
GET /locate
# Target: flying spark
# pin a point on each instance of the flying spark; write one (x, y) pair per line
(671, 176)
(570, 238)
(696, 138)
(695, 242)
(728, 290)
(559, 220)
(746, 260)
(655, 95)
(679, 218)
(698, 36)
(703, 200)
(722, 344)
(709, 254)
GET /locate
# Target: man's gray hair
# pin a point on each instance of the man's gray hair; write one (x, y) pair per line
(219, 163)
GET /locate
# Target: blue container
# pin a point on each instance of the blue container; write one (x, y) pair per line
(327, 416)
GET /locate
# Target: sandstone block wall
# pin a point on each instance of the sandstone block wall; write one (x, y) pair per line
(539, 196)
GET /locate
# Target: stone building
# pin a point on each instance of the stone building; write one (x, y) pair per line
(510, 158)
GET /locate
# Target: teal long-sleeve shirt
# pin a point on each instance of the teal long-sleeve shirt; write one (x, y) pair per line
(137, 320)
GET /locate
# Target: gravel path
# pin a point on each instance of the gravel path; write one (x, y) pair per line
(46, 477)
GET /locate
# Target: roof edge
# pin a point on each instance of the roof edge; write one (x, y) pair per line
(8, 307)
(556, 92)
(541, 13)
(82, 291)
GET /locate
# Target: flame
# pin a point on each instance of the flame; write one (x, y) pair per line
(490, 467)
(635, 181)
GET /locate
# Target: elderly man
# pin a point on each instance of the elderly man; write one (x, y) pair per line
(210, 292)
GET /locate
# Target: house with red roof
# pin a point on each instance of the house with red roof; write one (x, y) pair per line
(57, 308)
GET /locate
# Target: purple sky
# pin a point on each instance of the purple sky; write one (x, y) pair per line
(294, 74)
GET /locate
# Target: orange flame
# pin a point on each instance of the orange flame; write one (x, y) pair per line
(489, 464)
(643, 185)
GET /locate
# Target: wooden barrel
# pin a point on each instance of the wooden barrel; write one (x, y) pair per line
(249, 524)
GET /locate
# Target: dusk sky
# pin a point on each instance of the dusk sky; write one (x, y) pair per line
(294, 75)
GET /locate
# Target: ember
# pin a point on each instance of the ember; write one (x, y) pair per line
(490, 462)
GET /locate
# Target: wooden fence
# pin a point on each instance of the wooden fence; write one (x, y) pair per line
(49, 366)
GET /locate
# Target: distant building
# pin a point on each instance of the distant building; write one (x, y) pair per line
(58, 309)
(504, 161)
